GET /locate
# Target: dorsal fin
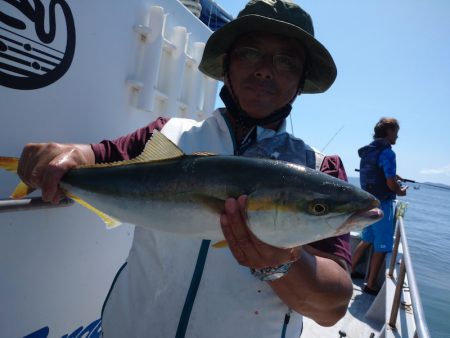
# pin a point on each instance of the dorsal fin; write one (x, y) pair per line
(158, 148)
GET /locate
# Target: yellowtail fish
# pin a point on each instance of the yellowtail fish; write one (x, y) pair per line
(167, 190)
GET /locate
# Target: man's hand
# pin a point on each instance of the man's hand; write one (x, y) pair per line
(42, 165)
(246, 248)
(315, 286)
(399, 178)
(395, 186)
(402, 191)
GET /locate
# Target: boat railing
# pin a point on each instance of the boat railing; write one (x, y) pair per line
(406, 268)
(12, 205)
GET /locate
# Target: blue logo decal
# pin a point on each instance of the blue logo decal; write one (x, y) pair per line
(32, 60)
(93, 330)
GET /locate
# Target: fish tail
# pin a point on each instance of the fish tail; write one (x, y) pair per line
(11, 164)
(22, 190)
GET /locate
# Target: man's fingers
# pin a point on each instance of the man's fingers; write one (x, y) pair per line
(240, 239)
(27, 164)
(58, 196)
(237, 224)
(230, 238)
(236, 220)
(245, 246)
(242, 203)
(49, 183)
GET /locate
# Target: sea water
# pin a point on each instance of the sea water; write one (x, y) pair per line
(427, 228)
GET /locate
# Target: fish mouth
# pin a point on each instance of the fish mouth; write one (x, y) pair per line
(362, 218)
(365, 217)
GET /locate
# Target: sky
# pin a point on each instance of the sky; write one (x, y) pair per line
(393, 60)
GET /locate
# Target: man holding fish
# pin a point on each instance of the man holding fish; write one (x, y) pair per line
(175, 285)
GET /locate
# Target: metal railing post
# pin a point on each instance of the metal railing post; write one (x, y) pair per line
(399, 212)
(394, 251)
(397, 295)
(419, 316)
(405, 268)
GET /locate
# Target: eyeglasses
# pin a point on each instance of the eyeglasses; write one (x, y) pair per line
(281, 62)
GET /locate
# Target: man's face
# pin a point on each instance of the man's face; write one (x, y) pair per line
(392, 135)
(265, 71)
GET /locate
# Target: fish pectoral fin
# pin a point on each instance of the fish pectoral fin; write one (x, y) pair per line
(220, 244)
(215, 204)
(261, 200)
(110, 222)
(10, 164)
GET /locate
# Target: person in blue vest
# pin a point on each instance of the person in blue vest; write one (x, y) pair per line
(378, 176)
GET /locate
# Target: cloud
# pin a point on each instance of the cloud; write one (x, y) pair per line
(445, 170)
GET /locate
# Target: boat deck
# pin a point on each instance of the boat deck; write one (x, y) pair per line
(367, 315)
(355, 324)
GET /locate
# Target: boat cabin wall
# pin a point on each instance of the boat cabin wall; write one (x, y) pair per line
(109, 68)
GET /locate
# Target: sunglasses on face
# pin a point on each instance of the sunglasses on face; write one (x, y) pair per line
(281, 62)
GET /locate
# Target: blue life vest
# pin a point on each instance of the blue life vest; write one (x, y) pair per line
(371, 176)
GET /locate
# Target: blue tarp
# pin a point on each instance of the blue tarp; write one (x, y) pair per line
(213, 15)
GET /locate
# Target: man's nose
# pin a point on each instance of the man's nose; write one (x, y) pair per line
(265, 68)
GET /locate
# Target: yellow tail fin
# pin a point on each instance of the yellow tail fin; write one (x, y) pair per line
(10, 164)
(22, 190)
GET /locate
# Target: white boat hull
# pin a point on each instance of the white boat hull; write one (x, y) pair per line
(58, 264)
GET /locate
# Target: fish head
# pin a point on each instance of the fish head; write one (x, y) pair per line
(299, 215)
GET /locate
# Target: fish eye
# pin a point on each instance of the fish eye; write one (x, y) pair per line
(318, 208)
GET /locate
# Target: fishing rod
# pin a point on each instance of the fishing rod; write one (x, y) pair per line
(331, 139)
(429, 184)
(421, 183)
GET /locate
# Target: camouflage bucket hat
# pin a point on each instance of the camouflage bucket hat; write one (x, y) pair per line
(278, 17)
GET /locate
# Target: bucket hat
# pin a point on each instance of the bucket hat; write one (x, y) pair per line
(278, 17)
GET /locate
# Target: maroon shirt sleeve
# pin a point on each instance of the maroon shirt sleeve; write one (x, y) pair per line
(128, 146)
(339, 245)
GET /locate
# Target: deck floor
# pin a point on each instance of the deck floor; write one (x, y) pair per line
(353, 325)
